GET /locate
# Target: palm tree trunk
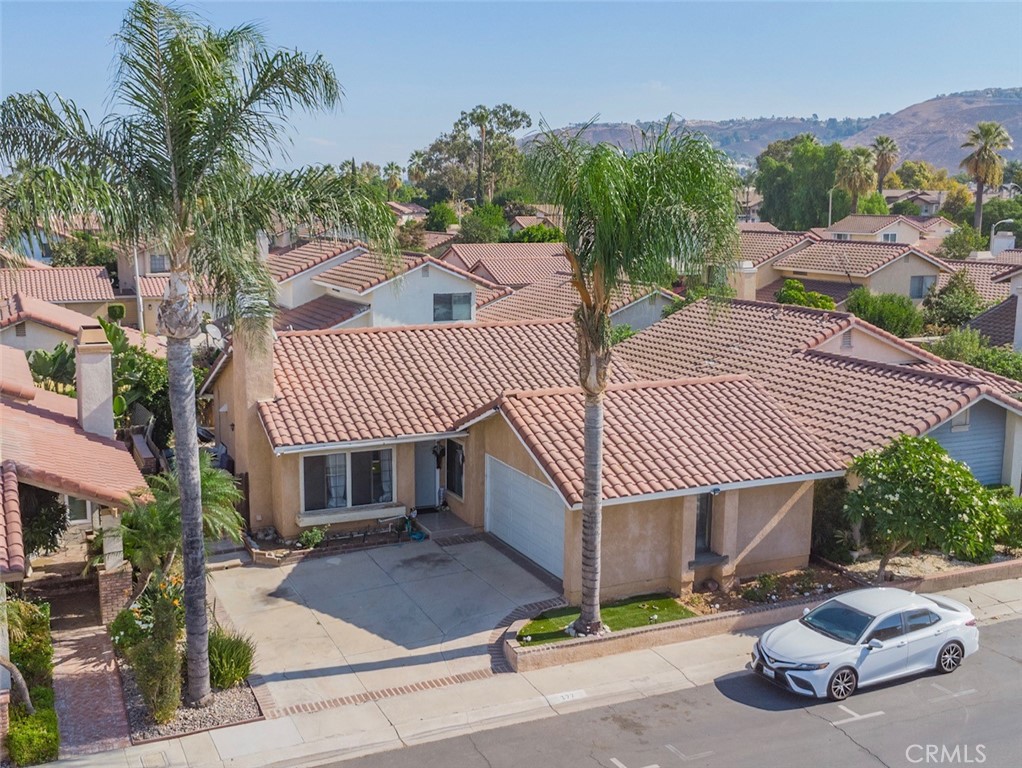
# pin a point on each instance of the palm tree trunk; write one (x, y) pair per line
(18, 682)
(482, 159)
(855, 202)
(589, 621)
(977, 216)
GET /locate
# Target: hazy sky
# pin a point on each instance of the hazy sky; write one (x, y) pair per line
(409, 69)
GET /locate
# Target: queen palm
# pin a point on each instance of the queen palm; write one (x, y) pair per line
(984, 163)
(885, 156)
(392, 175)
(628, 219)
(197, 110)
(855, 174)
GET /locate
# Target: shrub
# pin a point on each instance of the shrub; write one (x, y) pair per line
(969, 346)
(906, 208)
(831, 526)
(158, 673)
(43, 519)
(230, 658)
(955, 304)
(894, 313)
(165, 590)
(960, 243)
(440, 217)
(126, 630)
(311, 538)
(32, 652)
(621, 332)
(34, 739)
(1011, 535)
(538, 233)
(115, 312)
(764, 590)
(794, 292)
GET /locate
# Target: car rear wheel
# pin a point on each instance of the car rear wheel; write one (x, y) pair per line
(950, 657)
(842, 684)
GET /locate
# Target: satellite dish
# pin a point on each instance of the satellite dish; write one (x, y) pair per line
(214, 335)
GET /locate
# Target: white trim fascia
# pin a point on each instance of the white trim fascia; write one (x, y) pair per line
(296, 275)
(354, 445)
(528, 450)
(719, 487)
(438, 264)
(983, 397)
(488, 413)
(213, 374)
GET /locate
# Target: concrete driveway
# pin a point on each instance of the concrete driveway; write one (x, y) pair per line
(365, 621)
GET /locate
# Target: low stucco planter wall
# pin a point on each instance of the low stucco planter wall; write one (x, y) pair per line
(526, 658)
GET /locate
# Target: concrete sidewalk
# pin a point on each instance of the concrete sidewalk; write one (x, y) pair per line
(315, 738)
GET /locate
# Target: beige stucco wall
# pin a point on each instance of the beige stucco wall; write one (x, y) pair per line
(866, 346)
(896, 276)
(774, 528)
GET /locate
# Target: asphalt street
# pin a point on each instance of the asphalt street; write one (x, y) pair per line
(971, 717)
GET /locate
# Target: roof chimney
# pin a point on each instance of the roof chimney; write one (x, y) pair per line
(94, 381)
(746, 278)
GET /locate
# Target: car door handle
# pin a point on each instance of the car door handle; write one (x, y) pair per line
(938, 631)
(902, 644)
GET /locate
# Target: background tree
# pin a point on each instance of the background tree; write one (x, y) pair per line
(906, 208)
(955, 304)
(885, 155)
(84, 249)
(873, 204)
(960, 243)
(855, 174)
(984, 164)
(538, 233)
(638, 219)
(496, 125)
(894, 313)
(795, 177)
(196, 109)
(392, 176)
(485, 224)
(1013, 173)
(998, 209)
(441, 216)
(956, 201)
(794, 292)
(913, 495)
(411, 236)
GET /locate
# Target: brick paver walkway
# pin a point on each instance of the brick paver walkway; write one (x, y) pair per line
(87, 686)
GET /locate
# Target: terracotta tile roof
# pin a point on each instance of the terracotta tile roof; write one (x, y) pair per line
(837, 289)
(998, 322)
(846, 257)
(378, 383)
(472, 253)
(869, 224)
(10, 260)
(722, 430)
(60, 285)
(552, 298)
(756, 226)
(321, 313)
(15, 377)
(930, 223)
(982, 274)
(407, 209)
(759, 246)
(286, 263)
(521, 272)
(528, 221)
(20, 308)
(852, 405)
(41, 435)
(12, 544)
(929, 244)
(1013, 257)
(437, 239)
(367, 271)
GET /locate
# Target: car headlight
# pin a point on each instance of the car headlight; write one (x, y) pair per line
(811, 667)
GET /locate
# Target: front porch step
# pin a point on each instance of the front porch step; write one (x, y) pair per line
(443, 525)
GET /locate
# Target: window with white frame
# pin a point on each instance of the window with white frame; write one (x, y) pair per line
(919, 285)
(455, 468)
(842, 236)
(890, 237)
(78, 510)
(960, 421)
(158, 262)
(450, 307)
(342, 480)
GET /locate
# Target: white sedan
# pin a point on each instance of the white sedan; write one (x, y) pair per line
(865, 637)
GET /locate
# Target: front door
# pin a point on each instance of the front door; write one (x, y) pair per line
(425, 475)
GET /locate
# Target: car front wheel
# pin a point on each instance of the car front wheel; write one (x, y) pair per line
(950, 657)
(842, 684)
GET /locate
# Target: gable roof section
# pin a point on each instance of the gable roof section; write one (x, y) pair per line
(15, 376)
(998, 322)
(742, 436)
(437, 239)
(287, 263)
(59, 285)
(20, 308)
(759, 246)
(756, 226)
(869, 224)
(849, 257)
(373, 384)
(520, 272)
(472, 253)
(550, 299)
(321, 313)
(982, 274)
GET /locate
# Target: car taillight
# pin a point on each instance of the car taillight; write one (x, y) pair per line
(970, 623)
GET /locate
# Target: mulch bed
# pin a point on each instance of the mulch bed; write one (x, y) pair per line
(234, 705)
(814, 580)
(918, 564)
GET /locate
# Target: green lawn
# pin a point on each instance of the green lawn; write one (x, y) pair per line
(549, 626)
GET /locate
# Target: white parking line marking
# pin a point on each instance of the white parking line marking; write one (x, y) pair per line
(618, 764)
(854, 716)
(950, 694)
(678, 752)
(560, 698)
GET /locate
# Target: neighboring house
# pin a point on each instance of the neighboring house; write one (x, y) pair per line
(983, 274)
(152, 288)
(757, 249)
(876, 229)
(518, 223)
(474, 257)
(28, 323)
(405, 212)
(928, 200)
(86, 290)
(749, 204)
(756, 226)
(436, 242)
(350, 427)
(1002, 323)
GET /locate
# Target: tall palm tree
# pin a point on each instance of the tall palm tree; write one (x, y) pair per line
(639, 219)
(984, 163)
(855, 174)
(392, 175)
(885, 157)
(197, 109)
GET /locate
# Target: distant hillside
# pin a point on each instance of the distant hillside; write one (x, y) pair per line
(931, 130)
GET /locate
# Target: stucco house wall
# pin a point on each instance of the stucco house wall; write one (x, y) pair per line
(642, 313)
(980, 444)
(37, 336)
(897, 276)
(408, 299)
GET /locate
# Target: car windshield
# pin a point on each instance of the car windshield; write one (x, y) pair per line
(838, 621)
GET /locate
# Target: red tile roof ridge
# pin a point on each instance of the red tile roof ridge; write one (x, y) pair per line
(12, 543)
(627, 385)
(387, 329)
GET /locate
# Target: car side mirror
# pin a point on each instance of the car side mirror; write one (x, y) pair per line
(875, 644)
(805, 611)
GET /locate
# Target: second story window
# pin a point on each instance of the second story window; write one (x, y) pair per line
(158, 262)
(890, 237)
(451, 307)
(842, 236)
(919, 285)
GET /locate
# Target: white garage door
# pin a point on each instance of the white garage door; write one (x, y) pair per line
(525, 514)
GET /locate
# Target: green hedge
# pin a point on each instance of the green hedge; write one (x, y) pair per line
(34, 739)
(33, 654)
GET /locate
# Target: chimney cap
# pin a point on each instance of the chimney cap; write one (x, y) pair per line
(92, 336)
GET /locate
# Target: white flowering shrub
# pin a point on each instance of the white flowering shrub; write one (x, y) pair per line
(914, 495)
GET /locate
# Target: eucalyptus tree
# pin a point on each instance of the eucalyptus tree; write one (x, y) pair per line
(985, 163)
(637, 219)
(885, 157)
(496, 125)
(199, 116)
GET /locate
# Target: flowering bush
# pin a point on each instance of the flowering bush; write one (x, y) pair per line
(913, 494)
(161, 587)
